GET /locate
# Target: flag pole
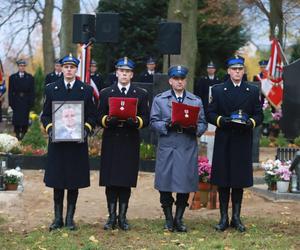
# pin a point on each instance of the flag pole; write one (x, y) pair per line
(283, 55)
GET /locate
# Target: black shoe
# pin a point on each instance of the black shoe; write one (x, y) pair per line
(70, 217)
(122, 221)
(169, 225)
(178, 223)
(236, 220)
(224, 222)
(58, 219)
(112, 219)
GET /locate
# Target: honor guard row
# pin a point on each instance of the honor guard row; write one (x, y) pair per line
(178, 118)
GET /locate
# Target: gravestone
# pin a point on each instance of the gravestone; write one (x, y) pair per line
(290, 121)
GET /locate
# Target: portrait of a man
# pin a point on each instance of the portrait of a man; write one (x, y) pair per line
(68, 124)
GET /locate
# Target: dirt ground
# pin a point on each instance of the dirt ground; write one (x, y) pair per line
(34, 207)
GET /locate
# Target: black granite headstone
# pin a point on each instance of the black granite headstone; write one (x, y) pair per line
(160, 84)
(290, 121)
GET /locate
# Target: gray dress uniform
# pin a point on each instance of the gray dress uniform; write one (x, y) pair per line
(176, 167)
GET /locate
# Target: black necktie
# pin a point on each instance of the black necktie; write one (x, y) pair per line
(123, 90)
(179, 99)
(69, 86)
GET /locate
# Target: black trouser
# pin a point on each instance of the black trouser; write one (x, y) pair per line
(167, 200)
(114, 194)
(72, 195)
(20, 131)
(236, 194)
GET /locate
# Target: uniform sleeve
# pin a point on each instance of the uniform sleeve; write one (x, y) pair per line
(257, 116)
(10, 92)
(46, 117)
(143, 110)
(103, 108)
(202, 124)
(212, 109)
(47, 80)
(91, 110)
(156, 122)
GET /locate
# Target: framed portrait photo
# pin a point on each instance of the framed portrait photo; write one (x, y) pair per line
(68, 121)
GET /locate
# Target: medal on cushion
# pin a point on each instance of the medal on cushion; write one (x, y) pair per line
(122, 105)
(186, 113)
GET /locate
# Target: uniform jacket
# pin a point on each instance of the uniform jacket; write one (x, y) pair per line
(111, 79)
(52, 77)
(232, 156)
(98, 80)
(146, 77)
(68, 162)
(21, 97)
(121, 146)
(202, 86)
(176, 167)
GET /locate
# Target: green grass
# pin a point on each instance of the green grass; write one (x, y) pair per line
(148, 234)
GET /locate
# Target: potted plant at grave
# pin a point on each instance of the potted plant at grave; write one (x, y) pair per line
(270, 176)
(204, 172)
(284, 175)
(12, 178)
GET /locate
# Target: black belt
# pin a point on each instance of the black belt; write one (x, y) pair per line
(178, 131)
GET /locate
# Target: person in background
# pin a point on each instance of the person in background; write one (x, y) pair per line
(147, 74)
(56, 74)
(203, 85)
(21, 98)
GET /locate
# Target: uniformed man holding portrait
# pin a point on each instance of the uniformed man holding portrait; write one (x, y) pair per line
(67, 162)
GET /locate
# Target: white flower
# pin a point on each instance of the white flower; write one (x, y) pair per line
(13, 172)
(8, 142)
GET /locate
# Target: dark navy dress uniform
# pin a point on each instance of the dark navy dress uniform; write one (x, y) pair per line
(21, 100)
(98, 80)
(67, 164)
(232, 156)
(202, 86)
(120, 151)
(53, 77)
(124, 142)
(145, 76)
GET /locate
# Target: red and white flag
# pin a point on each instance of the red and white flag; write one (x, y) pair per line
(2, 80)
(84, 68)
(272, 85)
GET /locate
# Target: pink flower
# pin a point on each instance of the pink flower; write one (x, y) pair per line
(277, 115)
(284, 173)
(204, 169)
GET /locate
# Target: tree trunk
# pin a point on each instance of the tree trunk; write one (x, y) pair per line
(48, 49)
(69, 8)
(186, 13)
(276, 19)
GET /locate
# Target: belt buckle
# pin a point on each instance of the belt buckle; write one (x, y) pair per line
(121, 124)
(180, 131)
